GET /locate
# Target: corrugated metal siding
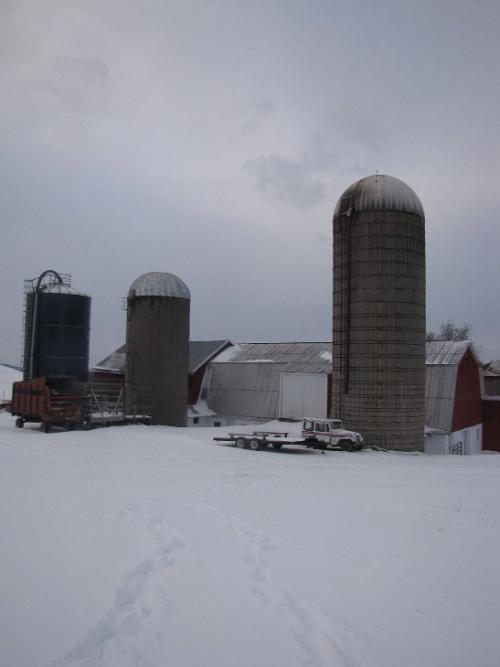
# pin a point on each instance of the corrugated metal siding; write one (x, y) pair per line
(440, 383)
(250, 389)
(303, 395)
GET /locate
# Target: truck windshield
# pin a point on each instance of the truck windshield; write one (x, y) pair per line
(307, 426)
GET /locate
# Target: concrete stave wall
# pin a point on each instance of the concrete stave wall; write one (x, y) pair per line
(157, 354)
(378, 381)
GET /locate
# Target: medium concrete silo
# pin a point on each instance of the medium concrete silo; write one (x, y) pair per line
(378, 382)
(157, 346)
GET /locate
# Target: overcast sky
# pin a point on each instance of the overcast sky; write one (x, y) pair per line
(212, 138)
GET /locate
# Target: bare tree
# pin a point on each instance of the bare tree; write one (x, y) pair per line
(450, 331)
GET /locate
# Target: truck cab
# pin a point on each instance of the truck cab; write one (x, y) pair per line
(332, 433)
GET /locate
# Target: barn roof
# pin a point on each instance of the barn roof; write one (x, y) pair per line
(114, 362)
(298, 357)
(492, 369)
(200, 351)
(447, 352)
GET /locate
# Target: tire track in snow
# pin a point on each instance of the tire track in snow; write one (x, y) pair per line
(124, 635)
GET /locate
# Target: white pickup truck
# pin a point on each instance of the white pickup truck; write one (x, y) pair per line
(332, 433)
(316, 434)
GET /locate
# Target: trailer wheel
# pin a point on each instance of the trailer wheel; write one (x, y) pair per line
(44, 428)
(241, 443)
(255, 444)
(19, 422)
(277, 445)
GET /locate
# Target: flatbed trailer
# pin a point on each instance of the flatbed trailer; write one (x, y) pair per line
(262, 439)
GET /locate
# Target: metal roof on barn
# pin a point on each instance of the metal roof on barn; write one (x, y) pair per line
(113, 363)
(200, 351)
(492, 369)
(297, 357)
(446, 352)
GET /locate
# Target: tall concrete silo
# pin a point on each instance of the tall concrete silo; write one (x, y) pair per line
(378, 382)
(157, 346)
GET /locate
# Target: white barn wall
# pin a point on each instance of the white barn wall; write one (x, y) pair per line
(466, 441)
(245, 389)
(303, 395)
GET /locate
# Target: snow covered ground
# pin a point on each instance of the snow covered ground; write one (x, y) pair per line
(151, 546)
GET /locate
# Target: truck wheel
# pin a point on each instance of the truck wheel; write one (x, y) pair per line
(44, 428)
(255, 444)
(19, 422)
(277, 445)
(346, 445)
(241, 443)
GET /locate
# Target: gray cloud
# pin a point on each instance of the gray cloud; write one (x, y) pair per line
(282, 179)
(124, 128)
(257, 114)
(76, 82)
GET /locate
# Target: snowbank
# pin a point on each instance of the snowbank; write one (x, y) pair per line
(136, 545)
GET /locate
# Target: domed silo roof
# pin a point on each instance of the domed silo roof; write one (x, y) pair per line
(383, 193)
(157, 283)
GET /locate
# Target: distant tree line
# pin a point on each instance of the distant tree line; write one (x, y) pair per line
(450, 331)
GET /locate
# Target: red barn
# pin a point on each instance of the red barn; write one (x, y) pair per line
(460, 419)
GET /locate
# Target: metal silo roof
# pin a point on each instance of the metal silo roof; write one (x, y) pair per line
(157, 283)
(381, 192)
